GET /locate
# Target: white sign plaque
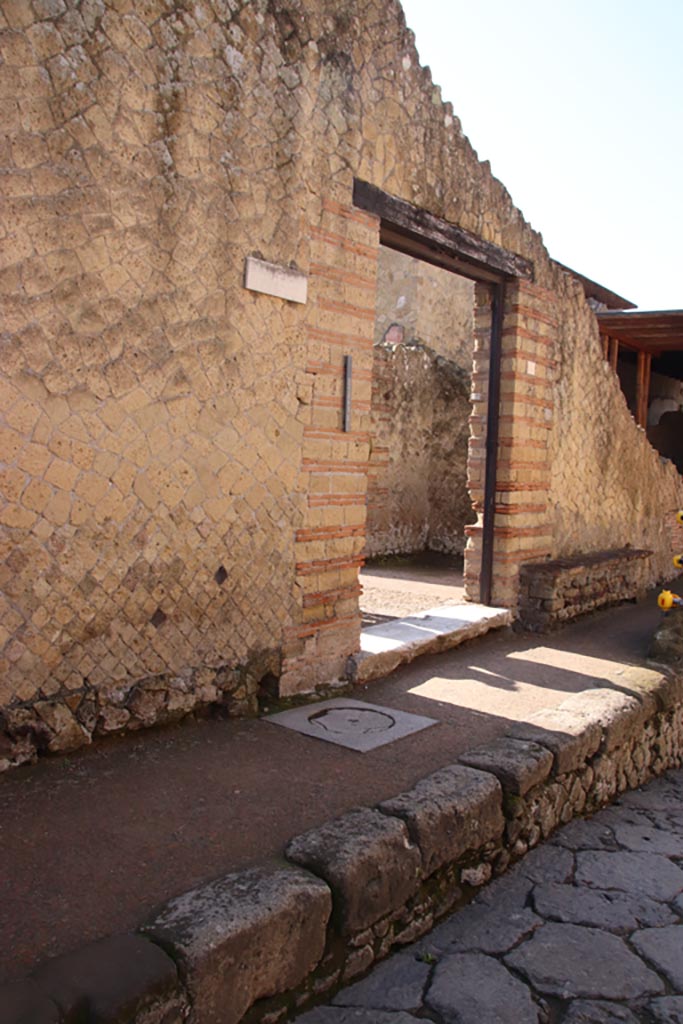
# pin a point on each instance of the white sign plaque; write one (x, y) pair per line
(274, 279)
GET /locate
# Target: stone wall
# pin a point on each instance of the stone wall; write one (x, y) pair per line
(182, 509)
(562, 589)
(427, 304)
(424, 340)
(417, 482)
(260, 945)
(576, 475)
(180, 500)
(153, 441)
(608, 487)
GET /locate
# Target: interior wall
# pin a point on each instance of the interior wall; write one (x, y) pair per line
(417, 487)
(424, 341)
(426, 305)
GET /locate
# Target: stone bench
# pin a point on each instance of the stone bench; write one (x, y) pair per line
(562, 589)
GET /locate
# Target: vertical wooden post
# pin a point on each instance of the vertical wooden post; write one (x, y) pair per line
(646, 387)
(613, 353)
(640, 388)
(605, 346)
(492, 434)
(643, 387)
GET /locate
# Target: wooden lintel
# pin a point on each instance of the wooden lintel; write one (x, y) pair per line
(438, 256)
(476, 257)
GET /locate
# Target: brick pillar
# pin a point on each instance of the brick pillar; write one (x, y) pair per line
(522, 532)
(522, 529)
(334, 467)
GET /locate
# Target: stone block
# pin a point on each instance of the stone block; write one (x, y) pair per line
(368, 861)
(448, 813)
(114, 980)
(569, 961)
(667, 643)
(242, 937)
(648, 874)
(429, 632)
(642, 683)
(517, 764)
(471, 988)
(619, 715)
(668, 690)
(667, 1010)
(396, 984)
(492, 928)
(619, 912)
(66, 733)
(572, 737)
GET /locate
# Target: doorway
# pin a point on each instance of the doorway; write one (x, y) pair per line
(418, 499)
(420, 234)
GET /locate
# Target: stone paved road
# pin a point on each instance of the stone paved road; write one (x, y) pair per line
(587, 929)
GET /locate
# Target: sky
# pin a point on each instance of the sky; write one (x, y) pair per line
(578, 106)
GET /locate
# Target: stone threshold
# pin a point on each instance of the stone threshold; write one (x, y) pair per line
(261, 945)
(386, 646)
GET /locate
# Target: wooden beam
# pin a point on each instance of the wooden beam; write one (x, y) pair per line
(403, 222)
(644, 346)
(605, 346)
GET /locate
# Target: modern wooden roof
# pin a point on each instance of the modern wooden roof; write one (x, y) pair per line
(656, 332)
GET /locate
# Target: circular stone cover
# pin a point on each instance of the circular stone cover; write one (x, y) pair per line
(345, 721)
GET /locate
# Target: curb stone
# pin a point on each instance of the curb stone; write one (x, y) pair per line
(519, 765)
(261, 945)
(368, 861)
(245, 936)
(449, 812)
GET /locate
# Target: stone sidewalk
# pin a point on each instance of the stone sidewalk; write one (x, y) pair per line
(587, 929)
(135, 820)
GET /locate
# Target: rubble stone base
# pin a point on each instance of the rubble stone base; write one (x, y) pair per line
(70, 719)
(560, 590)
